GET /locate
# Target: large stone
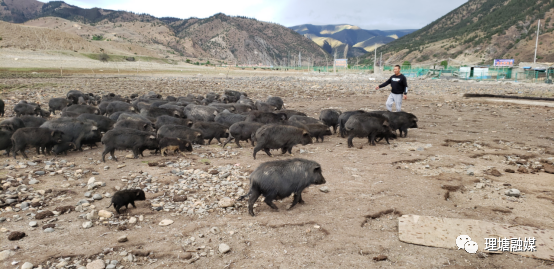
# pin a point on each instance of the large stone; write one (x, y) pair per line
(14, 236)
(27, 265)
(44, 214)
(132, 220)
(548, 168)
(4, 255)
(166, 222)
(226, 202)
(495, 172)
(97, 196)
(105, 214)
(96, 264)
(324, 189)
(224, 248)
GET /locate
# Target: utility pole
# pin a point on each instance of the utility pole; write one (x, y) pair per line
(375, 60)
(335, 63)
(300, 60)
(381, 61)
(537, 43)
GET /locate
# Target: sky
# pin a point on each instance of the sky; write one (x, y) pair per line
(367, 14)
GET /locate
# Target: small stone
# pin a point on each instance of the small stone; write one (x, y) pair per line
(226, 202)
(380, 258)
(324, 189)
(122, 239)
(97, 196)
(130, 156)
(522, 170)
(141, 218)
(479, 185)
(179, 198)
(49, 230)
(86, 225)
(548, 168)
(105, 214)
(509, 170)
(495, 172)
(512, 192)
(121, 166)
(224, 248)
(40, 172)
(110, 266)
(187, 255)
(166, 222)
(14, 236)
(88, 194)
(132, 220)
(62, 264)
(33, 182)
(96, 264)
(33, 224)
(470, 172)
(214, 230)
(27, 265)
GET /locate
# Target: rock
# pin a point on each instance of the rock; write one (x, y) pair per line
(92, 215)
(324, 189)
(224, 248)
(512, 192)
(14, 236)
(132, 220)
(166, 222)
(40, 172)
(110, 266)
(380, 258)
(215, 230)
(86, 225)
(141, 253)
(121, 166)
(122, 239)
(179, 198)
(522, 170)
(509, 170)
(130, 156)
(62, 264)
(479, 185)
(65, 209)
(88, 194)
(470, 172)
(495, 172)
(187, 255)
(33, 182)
(548, 168)
(105, 214)
(33, 224)
(96, 264)
(91, 181)
(4, 255)
(226, 202)
(49, 230)
(97, 196)
(27, 265)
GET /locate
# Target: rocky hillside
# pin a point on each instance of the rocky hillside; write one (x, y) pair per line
(219, 38)
(337, 37)
(479, 32)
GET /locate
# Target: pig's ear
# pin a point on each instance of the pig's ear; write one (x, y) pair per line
(305, 133)
(317, 169)
(152, 137)
(386, 123)
(187, 145)
(145, 125)
(138, 193)
(52, 134)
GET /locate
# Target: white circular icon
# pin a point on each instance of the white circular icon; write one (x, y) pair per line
(461, 240)
(471, 247)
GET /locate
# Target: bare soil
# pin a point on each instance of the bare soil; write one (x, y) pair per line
(441, 169)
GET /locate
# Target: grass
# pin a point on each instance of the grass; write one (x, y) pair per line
(18, 86)
(123, 58)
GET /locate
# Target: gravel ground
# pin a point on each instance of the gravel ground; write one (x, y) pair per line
(466, 154)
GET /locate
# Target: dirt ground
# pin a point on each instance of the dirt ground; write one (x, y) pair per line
(441, 169)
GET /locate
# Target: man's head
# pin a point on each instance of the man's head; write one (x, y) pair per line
(397, 70)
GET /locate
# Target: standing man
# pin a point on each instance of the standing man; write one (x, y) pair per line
(399, 86)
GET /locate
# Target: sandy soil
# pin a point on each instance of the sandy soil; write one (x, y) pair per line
(441, 169)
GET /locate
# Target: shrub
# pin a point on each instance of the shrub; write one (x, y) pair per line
(188, 61)
(103, 57)
(0, 38)
(444, 63)
(130, 58)
(95, 37)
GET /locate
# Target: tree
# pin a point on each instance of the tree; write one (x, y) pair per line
(444, 63)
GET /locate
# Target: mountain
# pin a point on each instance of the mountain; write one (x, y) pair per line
(359, 40)
(225, 38)
(478, 32)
